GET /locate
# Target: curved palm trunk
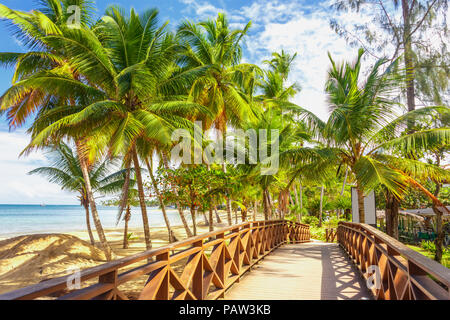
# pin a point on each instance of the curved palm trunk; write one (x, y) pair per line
(180, 209)
(205, 219)
(269, 201)
(90, 195)
(88, 221)
(125, 230)
(217, 215)
(137, 168)
(161, 202)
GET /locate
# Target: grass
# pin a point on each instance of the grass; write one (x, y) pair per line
(428, 254)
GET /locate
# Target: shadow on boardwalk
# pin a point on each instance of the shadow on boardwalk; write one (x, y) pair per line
(309, 271)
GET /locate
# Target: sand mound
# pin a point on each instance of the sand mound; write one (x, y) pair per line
(30, 259)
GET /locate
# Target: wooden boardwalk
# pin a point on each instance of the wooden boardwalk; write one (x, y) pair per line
(308, 271)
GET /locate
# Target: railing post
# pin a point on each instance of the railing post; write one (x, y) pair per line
(110, 277)
(197, 280)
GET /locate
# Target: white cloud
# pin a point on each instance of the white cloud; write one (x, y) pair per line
(17, 187)
(202, 9)
(296, 27)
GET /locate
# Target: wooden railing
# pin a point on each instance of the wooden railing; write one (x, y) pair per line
(404, 274)
(331, 234)
(201, 267)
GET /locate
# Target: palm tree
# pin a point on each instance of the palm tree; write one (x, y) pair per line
(65, 170)
(122, 181)
(289, 138)
(21, 101)
(213, 46)
(281, 63)
(123, 88)
(149, 164)
(363, 132)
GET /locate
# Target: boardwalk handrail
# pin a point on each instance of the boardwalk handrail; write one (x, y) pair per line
(214, 261)
(330, 234)
(404, 273)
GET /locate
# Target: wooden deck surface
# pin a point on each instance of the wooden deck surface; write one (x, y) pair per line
(308, 271)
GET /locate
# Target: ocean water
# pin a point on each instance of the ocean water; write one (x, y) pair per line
(29, 219)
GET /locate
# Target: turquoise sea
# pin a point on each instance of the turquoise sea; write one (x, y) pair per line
(29, 219)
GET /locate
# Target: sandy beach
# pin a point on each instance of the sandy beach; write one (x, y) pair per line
(31, 259)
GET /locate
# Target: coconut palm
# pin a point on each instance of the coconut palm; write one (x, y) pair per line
(211, 44)
(22, 101)
(363, 131)
(65, 170)
(119, 183)
(281, 63)
(124, 89)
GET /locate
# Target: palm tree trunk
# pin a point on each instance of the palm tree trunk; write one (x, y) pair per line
(391, 215)
(269, 201)
(194, 223)
(235, 216)
(88, 221)
(343, 189)
(180, 209)
(301, 202)
(439, 241)
(362, 218)
(125, 230)
(205, 219)
(255, 210)
(140, 185)
(217, 215)
(90, 195)
(161, 202)
(211, 221)
(227, 200)
(321, 206)
(244, 214)
(409, 60)
(266, 204)
(296, 195)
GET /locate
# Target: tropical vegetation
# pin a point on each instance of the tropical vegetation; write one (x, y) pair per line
(116, 89)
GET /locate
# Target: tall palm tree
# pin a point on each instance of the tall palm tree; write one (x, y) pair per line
(22, 101)
(149, 164)
(124, 89)
(364, 133)
(212, 45)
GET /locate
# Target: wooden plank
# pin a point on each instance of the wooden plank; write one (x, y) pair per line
(307, 271)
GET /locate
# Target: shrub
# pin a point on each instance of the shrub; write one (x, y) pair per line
(311, 220)
(430, 246)
(317, 233)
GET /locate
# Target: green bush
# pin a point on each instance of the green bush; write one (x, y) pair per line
(317, 233)
(430, 246)
(311, 220)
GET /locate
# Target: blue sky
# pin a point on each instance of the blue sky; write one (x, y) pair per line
(296, 26)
